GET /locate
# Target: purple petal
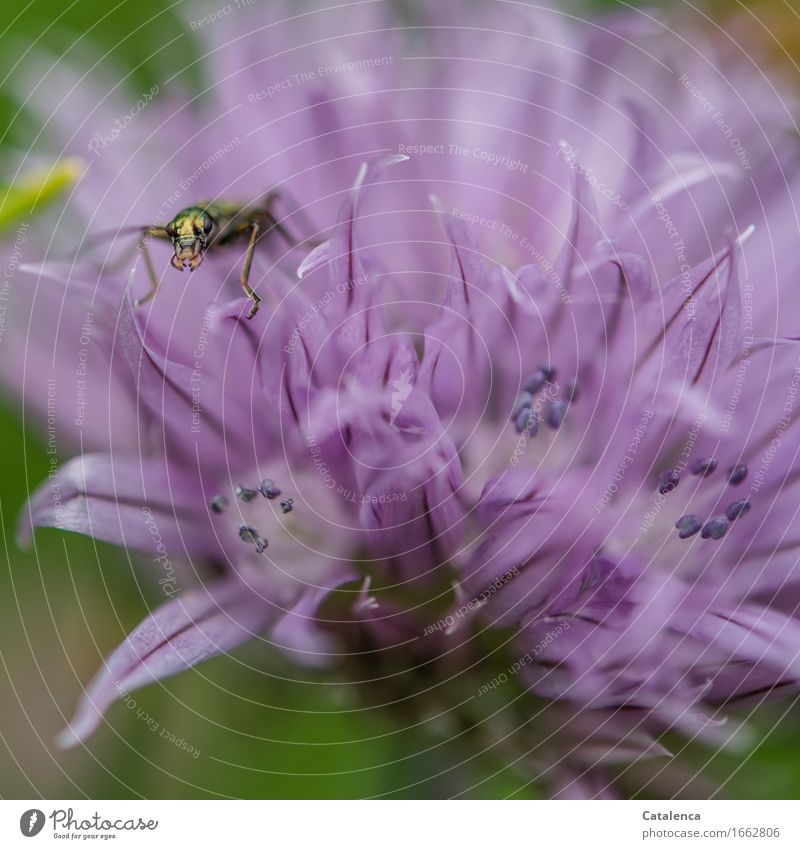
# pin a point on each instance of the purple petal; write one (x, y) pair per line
(125, 500)
(583, 233)
(345, 264)
(182, 633)
(698, 320)
(298, 632)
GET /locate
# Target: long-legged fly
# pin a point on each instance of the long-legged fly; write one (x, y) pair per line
(211, 226)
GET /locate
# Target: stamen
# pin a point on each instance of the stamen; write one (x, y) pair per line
(247, 534)
(556, 414)
(549, 373)
(737, 473)
(528, 421)
(250, 535)
(245, 493)
(287, 505)
(571, 392)
(688, 526)
(268, 489)
(737, 508)
(667, 481)
(524, 401)
(218, 503)
(715, 528)
(535, 382)
(703, 466)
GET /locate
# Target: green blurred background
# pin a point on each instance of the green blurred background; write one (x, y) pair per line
(64, 605)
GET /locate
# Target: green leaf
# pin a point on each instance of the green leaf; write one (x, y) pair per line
(36, 190)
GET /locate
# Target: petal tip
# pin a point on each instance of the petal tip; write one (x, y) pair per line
(81, 727)
(66, 739)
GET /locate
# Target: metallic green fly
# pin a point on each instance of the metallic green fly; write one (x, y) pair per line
(208, 227)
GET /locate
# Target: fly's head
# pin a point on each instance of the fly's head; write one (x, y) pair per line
(190, 231)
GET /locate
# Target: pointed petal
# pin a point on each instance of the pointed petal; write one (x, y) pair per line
(345, 264)
(468, 272)
(130, 501)
(584, 231)
(314, 259)
(182, 633)
(697, 320)
(456, 366)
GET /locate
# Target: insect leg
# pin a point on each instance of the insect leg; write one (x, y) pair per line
(274, 223)
(148, 261)
(244, 278)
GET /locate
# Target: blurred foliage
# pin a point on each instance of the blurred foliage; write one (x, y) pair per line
(67, 601)
(35, 190)
(770, 28)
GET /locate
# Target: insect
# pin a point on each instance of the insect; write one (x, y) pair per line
(210, 226)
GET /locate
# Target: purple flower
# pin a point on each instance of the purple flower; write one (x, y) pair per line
(543, 351)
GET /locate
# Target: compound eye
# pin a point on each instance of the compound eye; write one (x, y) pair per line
(170, 228)
(207, 226)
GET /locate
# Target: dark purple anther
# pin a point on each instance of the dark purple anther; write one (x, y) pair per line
(667, 481)
(556, 414)
(704, 466)
(688, 526)
(287, 505)
(268, 489)
(250, 535)
(219, 503)
(535, 382)
(524, 402)
(527, 421)
(549, 373)
(737, 473)
(245, 493)
(247, 534)
(715, 528)
(738, 508)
